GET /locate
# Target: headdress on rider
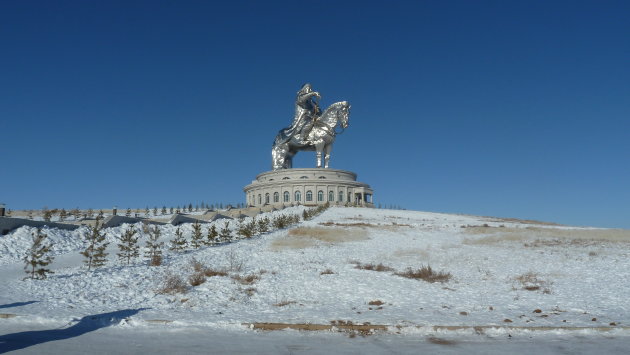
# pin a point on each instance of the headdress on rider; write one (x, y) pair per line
(306, 88)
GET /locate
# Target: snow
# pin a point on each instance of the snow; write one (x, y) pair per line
(578, 280)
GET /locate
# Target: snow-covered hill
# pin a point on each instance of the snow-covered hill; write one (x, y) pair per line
(503, 272)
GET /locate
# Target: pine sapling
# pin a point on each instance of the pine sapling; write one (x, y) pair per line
(263, 225)
(179, 243)
(38, 257)
(128, 246)
(212, 235)
(153, 247)
(197, 236)
(95, 255)
(225, 234)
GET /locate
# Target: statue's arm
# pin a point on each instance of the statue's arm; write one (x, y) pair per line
(304, 98)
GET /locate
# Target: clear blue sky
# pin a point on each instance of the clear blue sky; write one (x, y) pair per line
(503, 108)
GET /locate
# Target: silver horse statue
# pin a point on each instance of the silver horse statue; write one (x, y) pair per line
(309, 131)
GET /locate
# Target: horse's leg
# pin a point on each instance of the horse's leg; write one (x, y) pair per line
(319, 148)
(327, 150)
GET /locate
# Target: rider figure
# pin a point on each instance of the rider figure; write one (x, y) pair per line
(306, 112)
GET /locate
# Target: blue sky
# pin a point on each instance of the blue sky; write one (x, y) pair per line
(501, 108)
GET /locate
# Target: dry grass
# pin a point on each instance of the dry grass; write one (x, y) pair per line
(327, 272)
(305, 237)
(212, 272)
(197, 265)
(284, 303)
(531, 281)
(427, 274)
(173, 284)
(537, 236)
(372, 267)
(156, 260)
(246, 279)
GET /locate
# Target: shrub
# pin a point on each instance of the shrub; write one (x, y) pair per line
(95, 255)
(426, 273)
(173, 284)
(327, 272)
(197, 278)
(532, 282)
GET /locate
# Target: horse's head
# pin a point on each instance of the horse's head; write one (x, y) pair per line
(344, 114)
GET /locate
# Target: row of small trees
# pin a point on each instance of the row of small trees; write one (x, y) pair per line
(38, 256)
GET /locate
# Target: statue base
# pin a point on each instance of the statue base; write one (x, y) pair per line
(309, 187)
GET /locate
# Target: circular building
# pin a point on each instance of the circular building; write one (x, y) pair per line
(308, 186)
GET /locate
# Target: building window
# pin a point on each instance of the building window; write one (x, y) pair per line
(309, 195)
(303, 177)
(321, 177)
(266, 198)
(331, 196)
(259, 199)
(286, 196)
(349, 197)
(276, 197)
(320, 195)
(341, 196)
(286, 178)
(298, 196)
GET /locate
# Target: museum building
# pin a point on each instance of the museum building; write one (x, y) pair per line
(309, 187)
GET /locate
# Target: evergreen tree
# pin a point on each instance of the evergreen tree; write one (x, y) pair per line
(38, 257)
(197, 236)
(76, 213)
(263, 225)
(100, 214)
(177, 210)
(247, 229)
(212, 235)
(196, 208)
(9, 213)
(146, 212)
(128, 212)
(225, 234)
(47, 214)
(155, 211)
(128, 245)
(153, 247)
(179, 243)
(190, 207)
(95, 255)
(90, 213)
(171, 210)
(163, 210)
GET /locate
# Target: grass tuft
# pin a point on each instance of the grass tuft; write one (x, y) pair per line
(426, 273)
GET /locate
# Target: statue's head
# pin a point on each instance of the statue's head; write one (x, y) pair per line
(306, 88)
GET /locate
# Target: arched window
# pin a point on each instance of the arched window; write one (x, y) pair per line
(298, 196)
(276, 197)
(286, 178)
(267, 198)
(286, 196)
(320, 195)
(259, 199)
(340, 196)
(309, 195)
(331, 196)
(321, 177)
(303, 177)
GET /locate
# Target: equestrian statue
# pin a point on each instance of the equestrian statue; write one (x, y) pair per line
(311, 130)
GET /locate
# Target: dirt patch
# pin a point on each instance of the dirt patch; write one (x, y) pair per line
(306, 237)
(537, 236)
